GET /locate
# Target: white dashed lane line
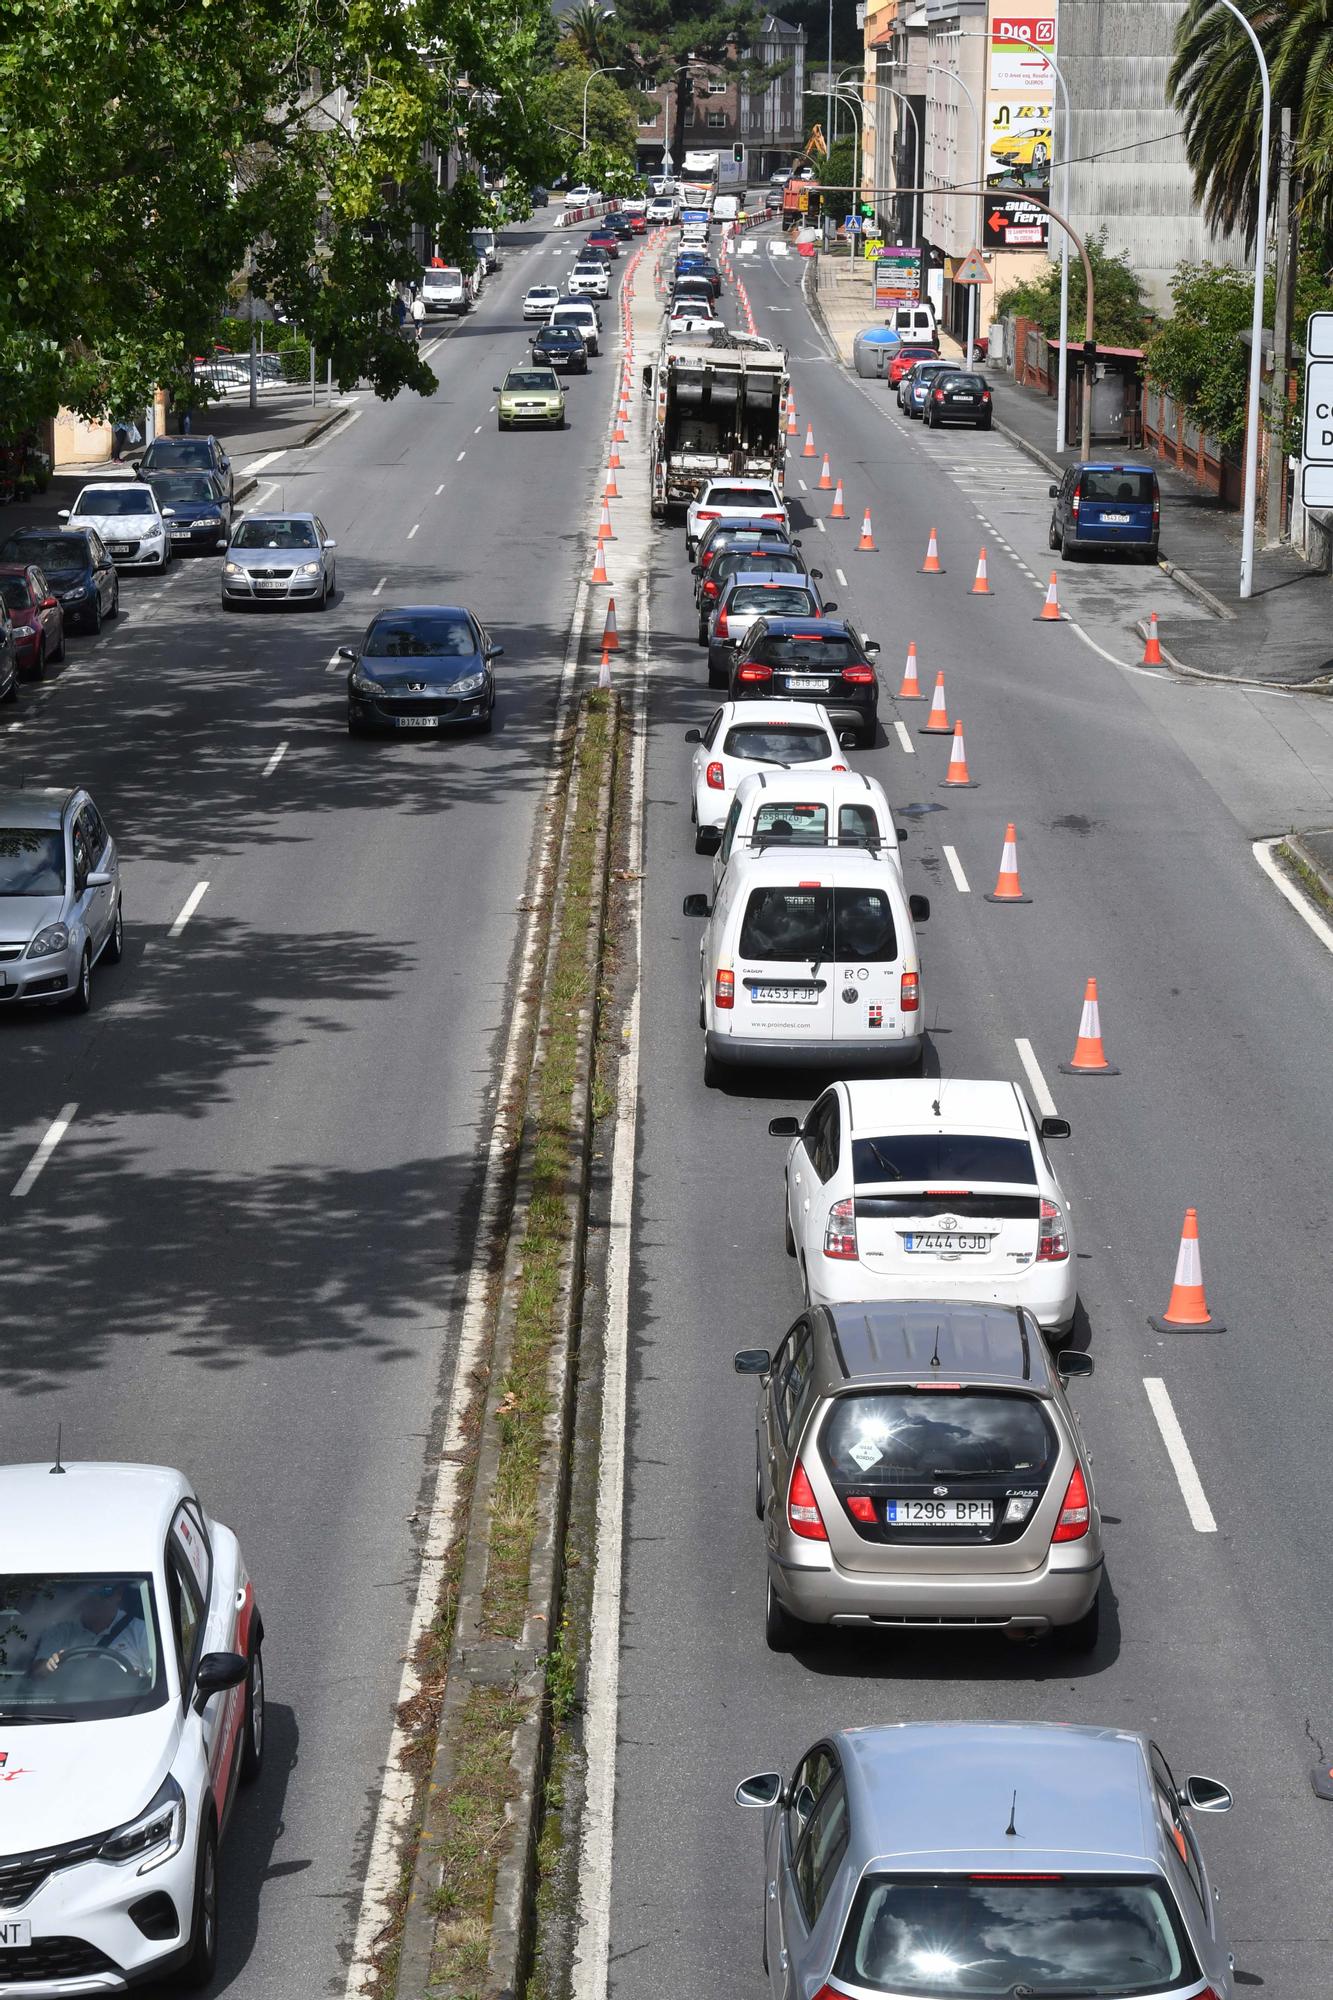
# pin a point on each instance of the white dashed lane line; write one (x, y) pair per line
(413, 529)
(960, 881)
(820, 525)
(904, 738)
(379, 586)
(440, 488)
(54, 1133)
(841, 578)
(1027, 1056)
(1180, 1455)
(188, 908)
(275, 760)
(461, 456)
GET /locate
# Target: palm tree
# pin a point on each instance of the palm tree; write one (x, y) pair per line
(583, 33)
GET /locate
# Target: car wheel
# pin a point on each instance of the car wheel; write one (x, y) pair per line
(1081, 1636)
(252, 1744)
(39, 664)
(11, 693)
(758, 1483)
(115, 944)
(500, 424)
(1067, 549)
(781, 1630)
(1053, 535)
(201, 1964)
(703, 633)
(714, 1071)
(82, 998)
(59, 653)
(115, 601)
(486, 722)
(984, 424)
(322, 601)
(355, 726)
(867, 736)
(95, 621)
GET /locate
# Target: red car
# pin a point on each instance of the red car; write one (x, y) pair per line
(638, 224)
(35, 613)
(604, 239)
(907, 357)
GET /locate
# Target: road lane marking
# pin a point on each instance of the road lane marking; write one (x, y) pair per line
(191, 904)
(1180, 1455)
(334, 659)
(820, 525)
(462, 455)
(1263, 852)
(379, 587)
(841, 578)
(269, 458)
(477, 432)
(261, 498)
(904, 738)
(413, 529)
(960, 881)
(801, 483)
(439, 489)
(1027, 1056)
(54, 1133)
(274, 760)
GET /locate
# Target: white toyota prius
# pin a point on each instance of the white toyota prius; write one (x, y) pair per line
(131, 1707)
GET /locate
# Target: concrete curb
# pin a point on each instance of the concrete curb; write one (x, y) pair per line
(1322, 684)
(1298, 854)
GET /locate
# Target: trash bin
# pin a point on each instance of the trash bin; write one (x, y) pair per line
(873, 348)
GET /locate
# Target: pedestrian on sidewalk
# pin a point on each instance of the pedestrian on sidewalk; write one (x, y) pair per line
(419, 313)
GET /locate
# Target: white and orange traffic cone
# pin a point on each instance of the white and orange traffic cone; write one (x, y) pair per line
(866, 545)
(1187, 1308)
(981, 583)
(1008, 888)
(605, 532)
(825, 480)
(937, 723)
(958, 777)
(837, 512)
(1051, 608)
(610, 631)
(614, 460)
(604, 670)
(1152, 650)
(808, 450)
(610, 491)
(911, 687)
(932, 566)
(599, 574)
(1089, 1057)
(792, 430)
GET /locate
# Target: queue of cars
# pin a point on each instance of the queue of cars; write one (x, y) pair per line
(918, 1461)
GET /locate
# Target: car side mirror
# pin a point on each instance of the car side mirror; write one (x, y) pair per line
(99, 879)
(1069, 1363)
(697, 906)
(135, 463)
(1054, 1128)
(784, 1128)
(753, 1361)
(330, 543)
(1054, 492)
(873, 648)
(63, 514)
(901, 832)
(818, 576)
(1208, 1795)
(495, 388)
(693, 736)
(217, 1671)
(50, 603)
(495, 652)
(167, 512)
(920, 909)
(347, 653)
(829, 604)
(761, 1791)
(847, 738)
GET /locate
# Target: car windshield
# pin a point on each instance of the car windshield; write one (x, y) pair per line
(1120, 483)
(796, 922)
(915, 1434)
(277, 535)
(530, 378)
(47, 551)
(78, 1648)
(810, 649)
(32, 861)
(14, 590)
(777, 742)
(1099, 1937)
(419, 635)
(946, 1159)
(755, 497)
(172, 486)
(774, 600)
(114, 500)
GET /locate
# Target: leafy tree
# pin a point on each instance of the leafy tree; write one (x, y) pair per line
(1198, 356)
(668, 42)
(583, 35)
(1120, 317)
(613, 119)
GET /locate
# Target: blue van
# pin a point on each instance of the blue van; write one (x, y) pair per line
(1106, 506)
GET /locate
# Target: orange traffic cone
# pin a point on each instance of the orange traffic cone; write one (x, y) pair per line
(614, 461)
(866, 545)
(1051, 608)
(981, 584)
(1152, 651)
(937, 723)
(599, 574)
(1187, 1307)
(610, 491)
(605, 532)
(837, 512)
(618, 434)
(792, 431)
(958, 774)
(911, 687)
(1089, 1057)
(825, 482)
(1008, 888)
(604, 671)
(610, 631)
(932, 566)
(809, 450)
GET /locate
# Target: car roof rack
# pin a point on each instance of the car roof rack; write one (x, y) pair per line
(768, 838)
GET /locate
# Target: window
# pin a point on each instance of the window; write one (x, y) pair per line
(944, 1159)
(710, 734)
(689, 116)
(788, 819)
(808, 1781)
(1119, 483)
(729, 830)
(100, 1631)
(910, 1435)
(815, 652)
(648, 112)
(717, 86)
(94, 832)
(191, 1545)
(825, 1136)
(795, 1376)
(185, 1616)
(717, 119)
(1178, 1830)
(822, 1849)
(778, 742)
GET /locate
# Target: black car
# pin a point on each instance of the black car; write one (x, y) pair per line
(811, 659)
(190, 454)
(426, 666)
(620, 223)
(958, 399)
(196, 510)
(539, 197)
(561, 347)
(699, 267)
(75, 563)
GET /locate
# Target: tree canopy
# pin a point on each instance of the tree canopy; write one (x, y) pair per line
(1120, 317)
(667, 42)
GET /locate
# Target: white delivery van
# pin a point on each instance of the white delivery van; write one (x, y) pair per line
(788, 809)
(727, 207)
(444, 289)
(915, 323)
(809, 960)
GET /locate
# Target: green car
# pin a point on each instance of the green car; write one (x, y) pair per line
(530, 396)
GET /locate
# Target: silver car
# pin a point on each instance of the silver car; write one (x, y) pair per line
(277, 559)
(976, 1861)
(919, 1464)
(60, 904)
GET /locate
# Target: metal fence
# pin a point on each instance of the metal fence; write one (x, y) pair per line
(281, 371)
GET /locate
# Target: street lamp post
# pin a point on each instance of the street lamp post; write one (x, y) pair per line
(917, 161)
(605, 70)
(1062, 372)
(941, 70)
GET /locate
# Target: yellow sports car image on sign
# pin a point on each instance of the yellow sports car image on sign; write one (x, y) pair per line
(1019, 144)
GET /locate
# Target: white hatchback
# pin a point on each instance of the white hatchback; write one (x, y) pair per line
(127, 516)
(540, 301)
(930, 1188)
(745, 736)
(732, 499)
(807, 809)
(132, 1693)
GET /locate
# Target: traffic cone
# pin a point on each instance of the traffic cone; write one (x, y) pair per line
(604, 671)
(825, 482)
(792, 431)
(610, 491)
(618, 434)
(1152, 651)
(614, 461)
(1008, 888)
(932, 566)
(1187, 1307)
(937, 723)
(981, 583)
(958, 776)
(599, 574)
(1089, 1057)
(809, 450)
(610, 632)
(911, 687)
(1051, 608)
(605, 532)
(866, 545)
(837, 512)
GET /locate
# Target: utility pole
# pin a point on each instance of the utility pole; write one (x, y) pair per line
(1277, 387)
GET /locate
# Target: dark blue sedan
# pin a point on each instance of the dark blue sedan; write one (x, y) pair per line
(425, 666)
(196, 510)
(75, 563)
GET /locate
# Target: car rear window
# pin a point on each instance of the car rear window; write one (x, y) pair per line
(774, 600)
(922, 1434)
(742, 559)
(742, 496)
(788, 819)
(946, 1159)
(984, 1937)
(809, 649)
(777, 742)
(1135, 487)
(973, 384)
(804, 922)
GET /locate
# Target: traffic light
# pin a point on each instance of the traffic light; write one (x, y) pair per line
(867, 208)
(738, 155)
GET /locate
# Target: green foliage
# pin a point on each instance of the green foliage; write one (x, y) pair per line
(583, 35)
(839, 170)
(659, 37)
(612, 114)
(1198, 355)
(1120, 317)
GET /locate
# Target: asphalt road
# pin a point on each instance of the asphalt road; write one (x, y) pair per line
(1135, 849)
(247, 1254)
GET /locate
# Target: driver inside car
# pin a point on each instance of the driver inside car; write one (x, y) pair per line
(109, 1619)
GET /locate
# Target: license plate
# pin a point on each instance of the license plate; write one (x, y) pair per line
(417, 721)
(16, 1935)
(960, 399)
(180, 534)
(808, 687)
(270, 583)
(781, 996)
(939, 1513)
(948, 1242)
(119, 548)
(1121, 520)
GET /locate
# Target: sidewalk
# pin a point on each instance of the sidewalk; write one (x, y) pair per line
(1283, 634)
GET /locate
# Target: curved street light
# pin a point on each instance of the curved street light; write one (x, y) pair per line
(606, 70)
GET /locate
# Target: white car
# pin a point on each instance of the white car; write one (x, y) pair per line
(746, 736)
(581, 195)
(930, 1188)
(583, 316)
(444, 289)
(590, 278)
(731, 499)
(681, 325)
(540, 301)
(127, 516)
(132, 1694)
(663, 208)
(807, 809)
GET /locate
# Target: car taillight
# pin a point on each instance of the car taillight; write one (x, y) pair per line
(803, 1515)
(711, 587)
(721, 629)
(1073, 503)
(1074, 1515)
(754, 671)
(724, 989)
(717, 780)
(939, 395)
(770, 517)
(910, 995)
(861, 1508)
(1156, 512)
(840, 1231)
(859, 676)
(705, 517)
(985, 395)
(1052, 1240)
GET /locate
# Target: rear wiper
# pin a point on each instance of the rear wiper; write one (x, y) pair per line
(893, 1172)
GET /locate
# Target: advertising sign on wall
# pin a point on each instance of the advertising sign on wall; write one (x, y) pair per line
(1019, 124)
